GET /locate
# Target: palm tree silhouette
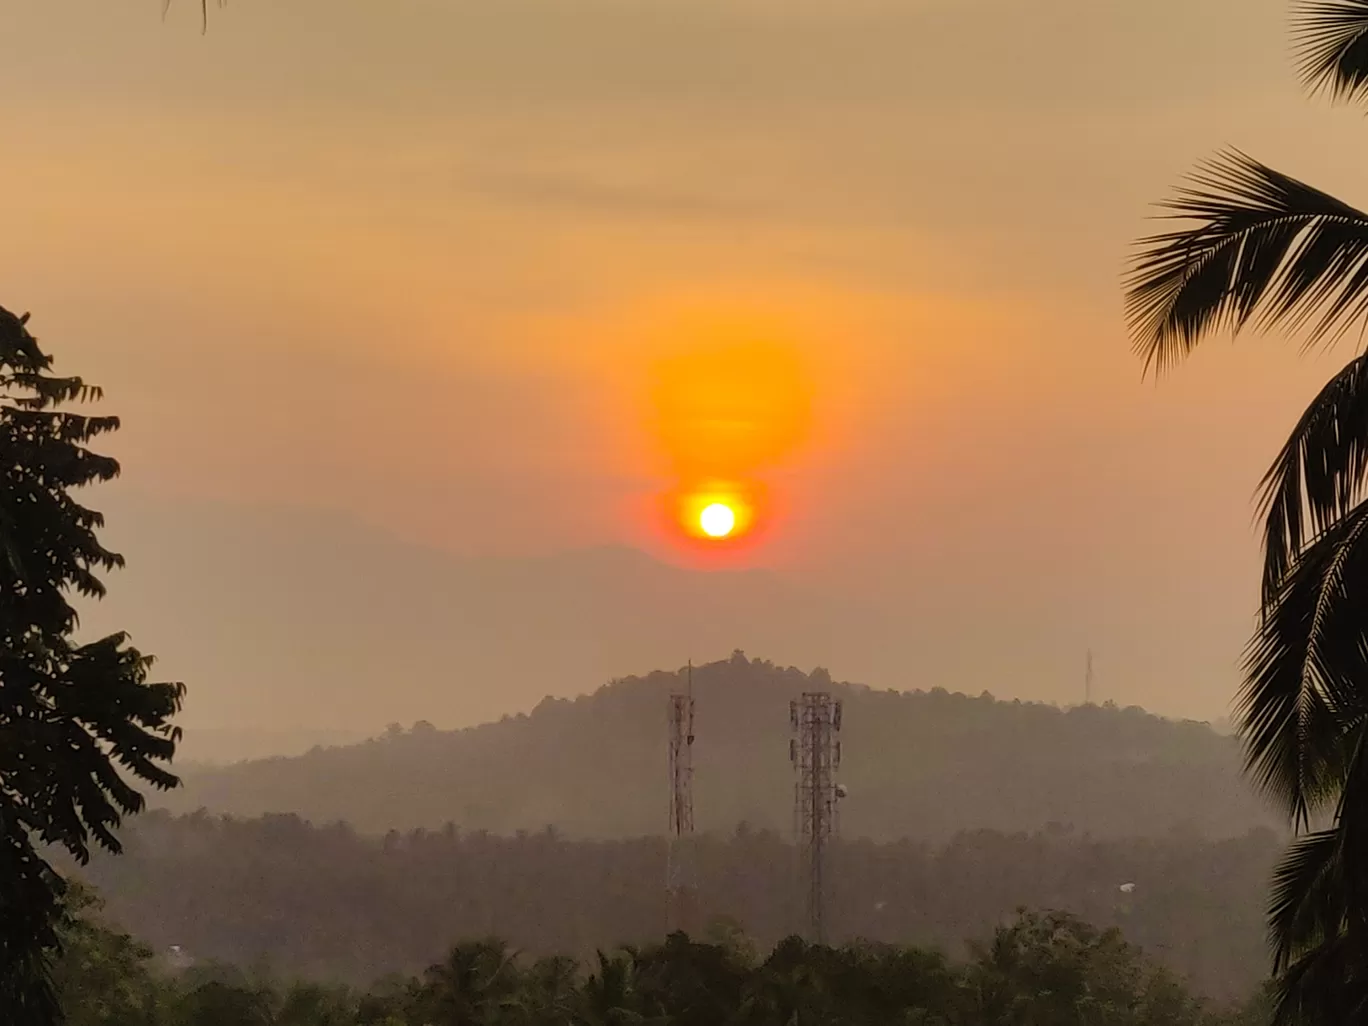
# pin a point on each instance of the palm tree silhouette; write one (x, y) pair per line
(609, 996)
(473, 986)
(1261, 248)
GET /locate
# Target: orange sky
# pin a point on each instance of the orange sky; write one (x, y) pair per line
(441, 265)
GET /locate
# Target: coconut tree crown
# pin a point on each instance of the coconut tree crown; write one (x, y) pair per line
(1259, 248)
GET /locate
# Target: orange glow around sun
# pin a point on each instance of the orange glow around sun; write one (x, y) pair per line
(726, 382)
(730, 409)
(727, 411)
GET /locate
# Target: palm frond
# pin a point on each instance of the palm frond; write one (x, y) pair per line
(1264, 243)
(1307, 904)
(1330, 39)
(1318, 475)
(1304, 670)
(1325, 984)
(1318, 919)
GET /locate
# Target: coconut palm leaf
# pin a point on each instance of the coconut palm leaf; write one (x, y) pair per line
(1331, 42)
(1318, 918)
(1302, 694)
(1263, 243)
(1324, 985)
(609, 996)
(1260, 248)
(1307, 905)
(1319, 474)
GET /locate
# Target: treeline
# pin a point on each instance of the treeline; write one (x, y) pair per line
(921, 764)
(1037, 968)
(328, 903)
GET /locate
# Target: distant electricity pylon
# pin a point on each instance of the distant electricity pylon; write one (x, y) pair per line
(680, 885)
(816, 756)
(1088, 680)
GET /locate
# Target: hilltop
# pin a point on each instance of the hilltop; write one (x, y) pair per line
(924, 765)
(294, 627)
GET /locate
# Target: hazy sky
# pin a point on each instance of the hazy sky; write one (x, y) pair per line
(424, 262)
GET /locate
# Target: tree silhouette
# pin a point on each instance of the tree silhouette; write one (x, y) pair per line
(1262, 248)
(104, 975)
(687, 983)
(478, 984)
(609, 996)
(71, 715)
(1039, 968)
(789, 989)
(330, 902)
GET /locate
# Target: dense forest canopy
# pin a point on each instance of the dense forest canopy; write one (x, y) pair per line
(923, 765)
(1033, 968)
(328, 903)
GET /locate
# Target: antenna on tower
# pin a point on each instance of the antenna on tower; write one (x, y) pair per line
(816, 756)
(680, 885)
(1088, 679)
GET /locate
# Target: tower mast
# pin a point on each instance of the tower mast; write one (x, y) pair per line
(680, 885)
(815, 753)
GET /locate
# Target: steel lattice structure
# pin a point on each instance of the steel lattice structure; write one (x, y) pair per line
(815, 752)
(680, 885)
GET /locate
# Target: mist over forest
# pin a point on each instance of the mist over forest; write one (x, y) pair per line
(923, 766)
(405, 406)
(327, 903)
(354, 862)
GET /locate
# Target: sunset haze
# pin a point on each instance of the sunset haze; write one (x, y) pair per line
(492, 299)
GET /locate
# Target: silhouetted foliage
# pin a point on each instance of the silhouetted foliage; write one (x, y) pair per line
(1035, 968)
(1262, 247)
(921, 764)
(329, 904)
(97, 960)
(72, 716)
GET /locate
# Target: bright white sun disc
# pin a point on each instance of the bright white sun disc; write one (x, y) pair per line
(717, 520)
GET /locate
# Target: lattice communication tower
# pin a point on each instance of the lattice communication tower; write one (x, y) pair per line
(815, 752)
(680, 884)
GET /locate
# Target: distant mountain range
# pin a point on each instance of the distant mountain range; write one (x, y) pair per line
(920, 765)
(293, 628)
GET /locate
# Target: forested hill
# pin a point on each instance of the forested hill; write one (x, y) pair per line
(920, 765)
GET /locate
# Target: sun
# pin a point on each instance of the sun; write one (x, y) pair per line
(717, 520)
(716, 514)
